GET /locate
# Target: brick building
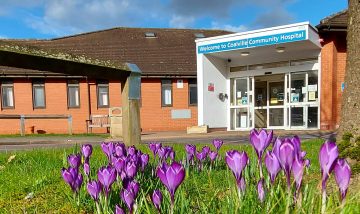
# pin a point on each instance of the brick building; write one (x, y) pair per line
(166, 58)
(332, 31)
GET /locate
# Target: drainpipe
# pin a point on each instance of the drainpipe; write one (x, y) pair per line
(89, 100)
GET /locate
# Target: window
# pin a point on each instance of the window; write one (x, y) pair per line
(192, 92)
(7, 94)
(166, 93)
(73, 94)
(150, 35)
(103, 94)
(39, 93)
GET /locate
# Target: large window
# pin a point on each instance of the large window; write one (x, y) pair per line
(39, 93)
(192, 92)
(7, 94)
(103, 94)
(166, 93)
(73, 94)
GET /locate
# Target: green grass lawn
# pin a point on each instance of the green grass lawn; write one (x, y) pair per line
(37, 172)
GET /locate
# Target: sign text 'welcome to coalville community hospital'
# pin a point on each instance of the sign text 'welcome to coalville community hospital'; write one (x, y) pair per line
(253, 42)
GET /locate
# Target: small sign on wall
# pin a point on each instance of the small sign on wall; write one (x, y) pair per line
(180, 83)
(211, 87)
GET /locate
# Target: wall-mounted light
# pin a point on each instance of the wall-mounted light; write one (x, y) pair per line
(280, 49)
(245, 53)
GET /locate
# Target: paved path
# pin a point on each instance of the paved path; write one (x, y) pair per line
(33, 142)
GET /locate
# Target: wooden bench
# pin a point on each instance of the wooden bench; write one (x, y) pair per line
(97, 121)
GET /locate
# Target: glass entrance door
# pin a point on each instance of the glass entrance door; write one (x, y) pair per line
(276, 104)
(303, 102)
(241, 103)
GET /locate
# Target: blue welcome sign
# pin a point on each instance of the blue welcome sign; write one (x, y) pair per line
(253, 42)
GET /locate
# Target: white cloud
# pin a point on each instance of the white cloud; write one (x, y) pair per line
(228, 27)
(181, 21)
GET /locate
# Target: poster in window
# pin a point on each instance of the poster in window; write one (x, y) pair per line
(244, 100)
(295, 97)
(104, 98)
(312, 96)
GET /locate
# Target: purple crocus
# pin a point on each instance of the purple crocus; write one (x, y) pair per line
(120, 149)
(213, 155)
(237, 161)
(342, 173)
(118, 163)
(286, 158)
(327, 157)
(86, 151)
(144, 161)
(74, 160)
(107, 176)
(272, 165)
(131, 150)
(94, 189)
(260, 190)
(130, 169)
(171, 176)
(129, 192)
(205, 150)
(260, 141)
(108, 148)
(190, 152)
(157, 199)
(73, 178)
(154, 147)
(298, 167)
(119, 210)
(87, 168)
(217, 143)
(162, 153)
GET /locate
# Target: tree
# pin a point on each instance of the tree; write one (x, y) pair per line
(350, 115)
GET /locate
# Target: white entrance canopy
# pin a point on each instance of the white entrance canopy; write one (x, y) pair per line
(222, 59)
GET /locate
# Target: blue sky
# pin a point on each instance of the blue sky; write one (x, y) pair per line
(56, 18)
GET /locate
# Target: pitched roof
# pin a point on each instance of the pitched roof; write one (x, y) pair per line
(334, 22)
(171, 53)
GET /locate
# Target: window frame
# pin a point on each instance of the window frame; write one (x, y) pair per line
(38, 84)
(102, 83)
(163, 85)
(192, 83)
(73, 84)
(7, 83)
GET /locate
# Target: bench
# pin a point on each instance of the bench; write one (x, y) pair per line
(97, 121)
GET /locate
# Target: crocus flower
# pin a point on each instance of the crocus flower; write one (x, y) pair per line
(272, 165)
(107, 176)
(260, 190)
(190, 152)
(217, 143)
(86, 151)
(171, 176)
(342, 173)
(72, 177)
(108, 148)
(119, 210)
(327, 157)
(286, 158)
(120, 149)
(201, 156)
(129, 183)
(205, 150)
(118, 163)
(87, 168)
(162, 153)
(74, 160)
(260, 141)
(132, 150)
(213, 155)
(237, 161)
(128, 197)
(130, 169)
(157, 199)
(298, 167)
(154, 147)
(172, 155)
(94, 189)
(144, 161)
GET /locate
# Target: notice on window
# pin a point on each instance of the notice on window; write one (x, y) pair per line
(304, 90)
(312, 96)
(294, 97)
(180, 83)
(273, 101)
(312, 87)
(238, 94)
(211, 87)
(244, 100)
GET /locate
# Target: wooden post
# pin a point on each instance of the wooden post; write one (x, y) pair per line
(70, 124)
(131, 116)
(22, 125)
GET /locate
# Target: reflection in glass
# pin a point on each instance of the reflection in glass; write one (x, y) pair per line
(297, 116)
(312, 117)
(297, 87)
(276, 117)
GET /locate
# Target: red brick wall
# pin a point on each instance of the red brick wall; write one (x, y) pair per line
(333, 61)
(153, 116)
